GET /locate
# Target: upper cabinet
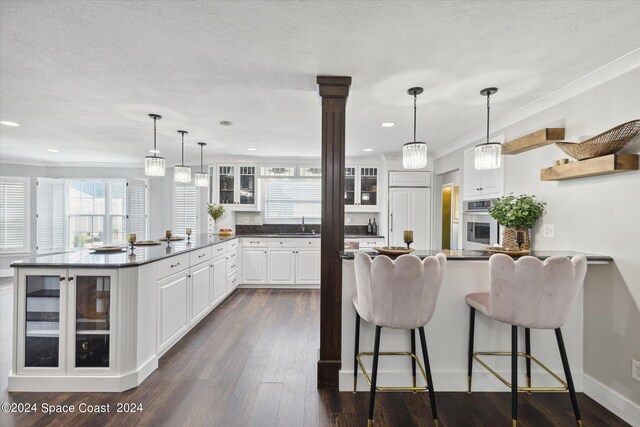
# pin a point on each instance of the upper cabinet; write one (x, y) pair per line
(481, 184)
(361, 188)
(236, 186)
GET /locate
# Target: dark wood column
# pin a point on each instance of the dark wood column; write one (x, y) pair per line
(334, 92)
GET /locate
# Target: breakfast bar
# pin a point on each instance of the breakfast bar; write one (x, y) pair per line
(447, 332)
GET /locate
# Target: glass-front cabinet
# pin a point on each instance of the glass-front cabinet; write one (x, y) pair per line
(236, 186)
(361, 189)
(66, 323)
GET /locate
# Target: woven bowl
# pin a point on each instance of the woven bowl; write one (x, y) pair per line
(609, 142)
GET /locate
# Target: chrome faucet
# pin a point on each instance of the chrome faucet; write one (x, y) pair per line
(303, 228)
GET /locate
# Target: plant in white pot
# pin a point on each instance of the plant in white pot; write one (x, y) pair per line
(517, 214)
(215, 212)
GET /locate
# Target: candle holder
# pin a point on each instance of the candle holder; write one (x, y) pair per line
(188, 233)
(408, 237)
(132, 240)
(168, 234)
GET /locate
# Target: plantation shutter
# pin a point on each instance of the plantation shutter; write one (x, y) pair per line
(137, 208)
(51, 211)
(13, 214)
(286, 201)
(184, 209)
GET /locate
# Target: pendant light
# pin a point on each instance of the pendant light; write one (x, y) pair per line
(182, 173)
(154, 165)
(201, 178)
(414, 154)
(488, 154)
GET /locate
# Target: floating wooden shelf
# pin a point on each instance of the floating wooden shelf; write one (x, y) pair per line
(612, 163)
(533, 140)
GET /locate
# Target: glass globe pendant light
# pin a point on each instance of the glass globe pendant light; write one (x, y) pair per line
(201, 178)
(414, 154)
(182, 173)
(154, 165)
(488, 154)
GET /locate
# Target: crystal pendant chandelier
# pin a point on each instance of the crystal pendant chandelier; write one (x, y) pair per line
(182, 173)
(414, 154)
(488, 154)
(201, 178)
(154, 165)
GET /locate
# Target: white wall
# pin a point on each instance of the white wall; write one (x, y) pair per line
(597, 215)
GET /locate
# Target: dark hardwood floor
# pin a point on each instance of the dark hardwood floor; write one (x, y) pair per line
(252, 362)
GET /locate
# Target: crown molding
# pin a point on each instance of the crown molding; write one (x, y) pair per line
(607, 72)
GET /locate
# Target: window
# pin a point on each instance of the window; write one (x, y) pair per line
(288, 200)
(14, 208)
(184, 209)
(86, 202)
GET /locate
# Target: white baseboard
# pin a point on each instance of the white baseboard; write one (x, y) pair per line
(612, 400)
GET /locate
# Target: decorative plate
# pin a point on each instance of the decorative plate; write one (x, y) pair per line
(394, 250)
(502, 250)
(147, 243)
(107, 249)
(173, 239)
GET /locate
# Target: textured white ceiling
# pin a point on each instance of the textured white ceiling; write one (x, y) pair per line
(82, 76)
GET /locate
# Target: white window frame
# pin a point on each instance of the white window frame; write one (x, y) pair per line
(26, 243)
(288, 178)
(196, 228)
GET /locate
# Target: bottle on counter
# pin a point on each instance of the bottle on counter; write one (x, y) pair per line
(374, 228)
(369, 227)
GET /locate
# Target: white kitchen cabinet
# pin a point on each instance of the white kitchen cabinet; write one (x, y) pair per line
(173, 309)
(65, 324)
(361, 185)
(254, 266)
(236, 186)
(409, 179)
(200, 288)
(481, 184)
(307, 266)
(281, 267)
(410, 209)
(218, 279)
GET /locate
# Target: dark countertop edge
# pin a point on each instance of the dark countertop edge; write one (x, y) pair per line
(481, 257)
(302, 236)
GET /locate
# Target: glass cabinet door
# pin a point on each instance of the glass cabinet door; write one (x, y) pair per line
(368, 186)
(349, 186)
(226, 182)
(42, 321)
(247, 185)
(92, 321)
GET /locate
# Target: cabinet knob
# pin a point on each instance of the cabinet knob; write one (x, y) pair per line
(69, 279)
(62, 279)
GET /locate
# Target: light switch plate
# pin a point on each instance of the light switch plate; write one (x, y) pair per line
(257, 220)
(635, 370)
(549, 230)
(246, 220)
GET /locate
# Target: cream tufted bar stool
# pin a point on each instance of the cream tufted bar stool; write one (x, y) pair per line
(532, 294)
(400, 294)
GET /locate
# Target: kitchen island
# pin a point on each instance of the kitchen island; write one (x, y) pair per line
(86, 321)
(447, 333)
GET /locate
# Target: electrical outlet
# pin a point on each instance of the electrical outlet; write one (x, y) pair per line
(635, 370)
(246, 220)
(549, 230)
(257, 220)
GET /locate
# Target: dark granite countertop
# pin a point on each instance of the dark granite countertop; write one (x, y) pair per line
(304, 235)
(466, 255)
(142, 254)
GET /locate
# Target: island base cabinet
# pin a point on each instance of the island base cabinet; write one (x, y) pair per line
(173, 309)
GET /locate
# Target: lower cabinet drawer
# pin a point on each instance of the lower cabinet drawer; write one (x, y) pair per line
(232, 281)
(233, 244)
(219, 249)
(173, 265)
(200, 255)
(232, 262)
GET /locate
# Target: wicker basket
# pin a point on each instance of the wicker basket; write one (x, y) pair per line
(609, 142)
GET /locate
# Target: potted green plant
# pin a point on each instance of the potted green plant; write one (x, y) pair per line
(216, 212)
(517, 214)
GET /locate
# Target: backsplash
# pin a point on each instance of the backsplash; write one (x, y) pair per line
(293, 228)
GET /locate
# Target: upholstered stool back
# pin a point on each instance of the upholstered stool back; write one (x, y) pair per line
(398, 294)
(533, 293)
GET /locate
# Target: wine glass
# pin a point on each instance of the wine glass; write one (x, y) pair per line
(188, 232)
(408, 237)
(132, 239)
(168, 234)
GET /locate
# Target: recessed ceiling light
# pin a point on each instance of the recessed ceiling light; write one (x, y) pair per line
(9, 123)
(387, 124)
(368, 149)
(251, 149)
(154, 151)
(53, 150)
(225, 123)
